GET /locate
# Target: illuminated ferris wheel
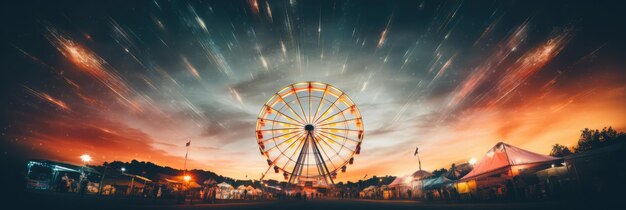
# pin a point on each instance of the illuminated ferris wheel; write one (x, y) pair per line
(309, 131)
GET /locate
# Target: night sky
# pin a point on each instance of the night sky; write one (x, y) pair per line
(123, 80)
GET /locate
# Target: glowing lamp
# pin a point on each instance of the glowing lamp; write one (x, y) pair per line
(473, 161)
(85, 158)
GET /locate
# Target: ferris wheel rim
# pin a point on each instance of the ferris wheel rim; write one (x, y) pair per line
(322, 125)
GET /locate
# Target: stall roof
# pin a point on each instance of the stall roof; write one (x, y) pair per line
(607, 150)
(371, 187)
(138, 177)
(171, 181)
(274, 187)
(435, 182)
(60, 166)
(503, 155)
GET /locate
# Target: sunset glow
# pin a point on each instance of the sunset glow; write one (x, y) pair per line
(450, 78)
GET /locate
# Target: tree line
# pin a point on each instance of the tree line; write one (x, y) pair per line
(590, 139)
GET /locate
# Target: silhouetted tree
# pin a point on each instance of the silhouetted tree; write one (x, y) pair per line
(439, 172)
(590, 139)
(560, 151)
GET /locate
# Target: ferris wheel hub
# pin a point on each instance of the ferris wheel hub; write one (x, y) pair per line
(309, 127)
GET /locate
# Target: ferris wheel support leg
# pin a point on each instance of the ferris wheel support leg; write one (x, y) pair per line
(297, 170)
(324, 170)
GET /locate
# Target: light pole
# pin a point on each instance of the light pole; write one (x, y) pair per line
(86, 159)
(187, 178)
(104, 172)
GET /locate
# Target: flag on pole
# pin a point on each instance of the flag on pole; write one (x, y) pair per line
(188, 143)
(416, 148)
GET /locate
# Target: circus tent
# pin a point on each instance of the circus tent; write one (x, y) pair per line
(503, 156)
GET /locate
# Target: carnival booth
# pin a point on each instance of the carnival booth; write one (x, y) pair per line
(168, 186)
(368, 192)
(61, 177)
(225, 191)
(594, 174)
(437, 188)
(387, 192)
(410, 186)
(124, 184)
(251, 192)
(400, 186)
(505, 171)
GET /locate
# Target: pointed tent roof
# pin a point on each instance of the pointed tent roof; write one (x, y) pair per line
(421, 174)
(399, 181)
(504, 155)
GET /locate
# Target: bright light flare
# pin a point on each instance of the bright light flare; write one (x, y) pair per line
(473, 161)
(85, 158)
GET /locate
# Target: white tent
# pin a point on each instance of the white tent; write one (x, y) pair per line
(421, 174)
(225, 185)
(225, 191)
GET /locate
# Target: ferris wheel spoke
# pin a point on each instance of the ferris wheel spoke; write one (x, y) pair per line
(278, 121)
(281, 143)
(295, 94)
(342, 145)
(292, 110)
(324, 151)
(320, 104)
(301, 159)
(275, 137)
(334, 134)
(340, 112)
(283, 114)
(300, 142)
(340, 129)
(331, 105)
(280, 129)
(342, 121)
(328, 145)
(281, 152)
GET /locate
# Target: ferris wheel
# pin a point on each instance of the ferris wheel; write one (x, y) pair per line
(309, 131)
